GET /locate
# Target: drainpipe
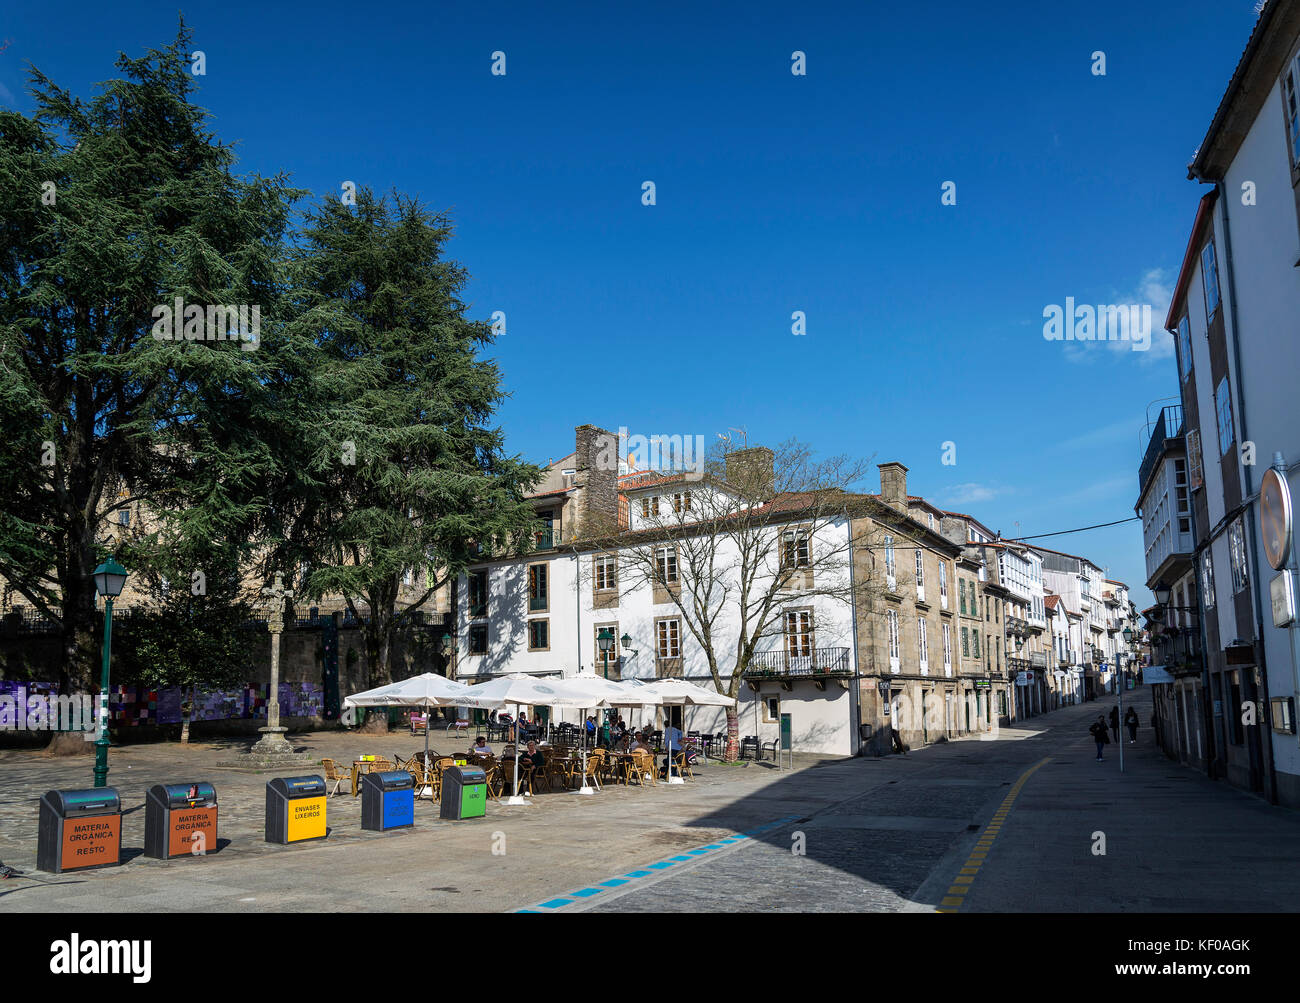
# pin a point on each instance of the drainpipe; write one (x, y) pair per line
(1266, 747)
(855, 713)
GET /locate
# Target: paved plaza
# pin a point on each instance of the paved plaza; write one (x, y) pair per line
(969, 826)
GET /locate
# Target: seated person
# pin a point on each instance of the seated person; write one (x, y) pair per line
(480, 747)
(532, 759)
(638, 744)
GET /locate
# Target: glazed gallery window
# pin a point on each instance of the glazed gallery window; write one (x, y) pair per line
(1223, 409)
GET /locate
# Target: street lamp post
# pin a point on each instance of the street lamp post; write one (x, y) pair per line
(109, 578)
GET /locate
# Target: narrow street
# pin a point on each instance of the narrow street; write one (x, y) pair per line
(922, 835)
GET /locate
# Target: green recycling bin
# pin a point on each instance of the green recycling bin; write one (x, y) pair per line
(464, 792)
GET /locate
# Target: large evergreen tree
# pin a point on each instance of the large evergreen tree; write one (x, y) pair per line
(420, 474)
(113, 207)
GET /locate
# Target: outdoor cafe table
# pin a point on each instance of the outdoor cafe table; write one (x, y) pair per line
(359, 766)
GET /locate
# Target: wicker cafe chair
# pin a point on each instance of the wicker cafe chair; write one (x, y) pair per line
(559, 768)
(493, 779)
(683, 765)
(332, 775)
(593, 769)
(642, 765)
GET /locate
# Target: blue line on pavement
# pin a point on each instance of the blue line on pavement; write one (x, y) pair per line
(659, 867)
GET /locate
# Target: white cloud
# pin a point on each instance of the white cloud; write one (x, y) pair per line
(1153, 290)
(964, 494)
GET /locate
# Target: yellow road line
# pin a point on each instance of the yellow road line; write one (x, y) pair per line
(965, 879)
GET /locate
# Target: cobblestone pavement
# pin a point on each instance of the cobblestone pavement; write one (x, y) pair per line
(892, 834)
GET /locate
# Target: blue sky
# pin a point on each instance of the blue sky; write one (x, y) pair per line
(775, 193)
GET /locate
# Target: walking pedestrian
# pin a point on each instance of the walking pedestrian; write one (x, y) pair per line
(1098, 732)
(1114, 722)
(1131, 723)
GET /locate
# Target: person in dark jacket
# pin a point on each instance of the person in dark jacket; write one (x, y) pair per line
(1131, 723)
(1114, 722)
(1098, 732)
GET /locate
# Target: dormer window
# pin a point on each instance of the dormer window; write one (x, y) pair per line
(650, 507)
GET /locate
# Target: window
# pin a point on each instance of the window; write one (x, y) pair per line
(1185, 347)
(920, 570)
(682, 502)
(1291, 108)
(799, 633)
(539, 635)
(606, 572)
(666, 565)
(923, 645)
(649, 506)
(124, 517)
(668, 638)
(478, 639)
(1223, 409)
(1209, 281)
(965, 642)
(1207, 579)
(891, 618)
(947, 650)
(975, 643)
(771, 710)
(1237, 553)
(961, 593)
(943, 585)
(537, 588)
(478, 593)
(794, 549)
(890, 568)
(600, 664)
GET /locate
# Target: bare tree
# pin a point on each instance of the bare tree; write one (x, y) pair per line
(732, 549)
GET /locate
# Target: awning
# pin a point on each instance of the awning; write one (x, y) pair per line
(1156, 674)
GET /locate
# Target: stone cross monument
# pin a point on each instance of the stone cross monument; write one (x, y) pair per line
(273, 742)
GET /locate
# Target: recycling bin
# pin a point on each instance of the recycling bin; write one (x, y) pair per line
(180, 820)
(387, 800)
(464, 792)
(295, 809)
(79, 829)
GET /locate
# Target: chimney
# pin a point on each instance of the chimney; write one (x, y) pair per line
(597, 478)
(893, 485)
(752, 471)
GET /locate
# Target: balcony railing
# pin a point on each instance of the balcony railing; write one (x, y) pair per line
(1017, 626)
(1169, 425)
(545, 539)
(1017, 664)
(781, 663)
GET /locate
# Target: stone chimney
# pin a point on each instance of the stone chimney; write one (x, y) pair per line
(597, 477)
(893, 485)
(752, 470)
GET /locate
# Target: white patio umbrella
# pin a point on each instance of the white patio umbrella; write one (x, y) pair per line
(678, 692)
(608, 693)
(425, 691)
(521, 690)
